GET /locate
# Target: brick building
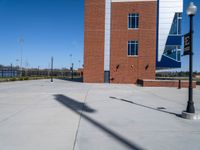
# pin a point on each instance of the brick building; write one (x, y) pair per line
(127, 40)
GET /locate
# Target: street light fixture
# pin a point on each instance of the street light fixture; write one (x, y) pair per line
(190, 110)
(192, 9)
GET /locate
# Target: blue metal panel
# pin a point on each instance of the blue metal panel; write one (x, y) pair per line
(174, 40)
(168, 63)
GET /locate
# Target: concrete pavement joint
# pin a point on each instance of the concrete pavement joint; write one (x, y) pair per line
(75, 141)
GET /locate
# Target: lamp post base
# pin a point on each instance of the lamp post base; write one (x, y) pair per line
(190, 116)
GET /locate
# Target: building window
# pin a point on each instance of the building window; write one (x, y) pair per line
(176, 25)
(132, 48)
(173, 52)
(133, 21)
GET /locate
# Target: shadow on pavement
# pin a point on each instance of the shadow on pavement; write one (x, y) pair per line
(73, 105)
(76, 107)
(160, 109)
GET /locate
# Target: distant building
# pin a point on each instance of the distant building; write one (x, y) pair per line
(197, 76)
(127, 40)
(80, 72)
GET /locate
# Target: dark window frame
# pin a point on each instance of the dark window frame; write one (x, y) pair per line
(176, 26)
(133, 20)
(173, 52)
(133, 47)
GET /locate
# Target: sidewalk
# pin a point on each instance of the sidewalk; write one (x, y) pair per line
(66, 116)
(130, 117)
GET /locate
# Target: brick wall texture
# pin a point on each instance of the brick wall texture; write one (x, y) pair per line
(166, 83)
(94, 41)
(123, 68)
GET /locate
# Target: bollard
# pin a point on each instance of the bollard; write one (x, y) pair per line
(179, 84)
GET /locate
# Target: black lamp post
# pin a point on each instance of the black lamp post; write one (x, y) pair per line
(51, 69)
(191, 11)
(72, 71)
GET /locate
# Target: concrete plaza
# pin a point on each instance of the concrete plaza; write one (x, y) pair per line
(64, 115)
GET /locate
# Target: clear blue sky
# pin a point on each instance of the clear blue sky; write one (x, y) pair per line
(49, 28)
(185, 60)
(55, 28)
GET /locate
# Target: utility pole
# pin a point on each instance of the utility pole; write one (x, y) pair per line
(52, 69)
(72, 71)
(38, 70)
(11, 70)
(21, 42)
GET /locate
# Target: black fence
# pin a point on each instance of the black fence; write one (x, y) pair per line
(8, 73)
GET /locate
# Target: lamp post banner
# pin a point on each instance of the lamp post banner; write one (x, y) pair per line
(187, 44)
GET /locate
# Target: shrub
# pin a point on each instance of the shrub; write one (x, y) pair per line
(21, 78)
(26, 78)
(13, 79)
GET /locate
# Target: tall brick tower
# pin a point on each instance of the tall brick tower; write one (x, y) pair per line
(94, 41)
(125, 40)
